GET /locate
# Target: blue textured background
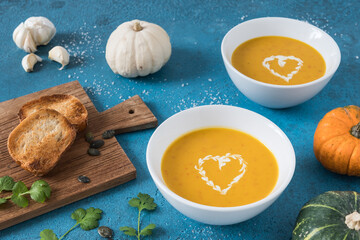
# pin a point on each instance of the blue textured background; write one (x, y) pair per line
(195, 75)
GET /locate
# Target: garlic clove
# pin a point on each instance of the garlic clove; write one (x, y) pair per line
(18, 35)
(28, 62)
(29, 44)
(60, 55)
(22, 38)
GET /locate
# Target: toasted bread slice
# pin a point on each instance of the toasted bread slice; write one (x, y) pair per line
(67, 105)
(38, 142)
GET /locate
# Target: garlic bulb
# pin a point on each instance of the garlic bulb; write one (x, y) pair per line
(33, 32)
(60, 55)
(29, 61)
(137, 48)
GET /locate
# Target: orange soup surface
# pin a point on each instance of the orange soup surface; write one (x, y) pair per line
(219, 167)
(278, 60)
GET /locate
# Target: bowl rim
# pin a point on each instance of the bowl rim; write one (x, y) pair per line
(268, 199)
(323, 78)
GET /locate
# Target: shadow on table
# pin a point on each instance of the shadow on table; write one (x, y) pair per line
(183, 64)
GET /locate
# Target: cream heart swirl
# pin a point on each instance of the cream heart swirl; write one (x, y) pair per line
(222, 162)
(282, 61)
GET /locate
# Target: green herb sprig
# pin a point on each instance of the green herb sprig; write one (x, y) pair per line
(39, 191)
(87, 219)
(143, 201)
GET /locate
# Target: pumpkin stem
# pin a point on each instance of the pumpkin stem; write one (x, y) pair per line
(352, 220)
(137, 27)
(355, 130)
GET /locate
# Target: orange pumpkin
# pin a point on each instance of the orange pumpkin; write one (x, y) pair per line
(337, 141)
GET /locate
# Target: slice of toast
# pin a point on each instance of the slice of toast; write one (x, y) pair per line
(38, 142)
(67, 105)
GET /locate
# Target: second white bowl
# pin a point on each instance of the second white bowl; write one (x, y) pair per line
(277, 96)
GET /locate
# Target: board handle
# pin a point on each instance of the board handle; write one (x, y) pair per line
(128, 116)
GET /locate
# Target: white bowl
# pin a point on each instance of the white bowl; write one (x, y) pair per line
(220, 116)
(278, 96)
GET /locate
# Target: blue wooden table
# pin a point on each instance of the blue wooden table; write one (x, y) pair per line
(194, 76)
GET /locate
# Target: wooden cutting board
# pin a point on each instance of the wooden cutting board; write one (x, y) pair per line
(108, 170)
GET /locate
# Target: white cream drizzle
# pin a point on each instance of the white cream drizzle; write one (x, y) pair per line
(223, 160)
(282, 61)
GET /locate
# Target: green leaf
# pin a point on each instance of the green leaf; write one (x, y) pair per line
(2, 201)
(128, 231)
(6, 183)
(143, 201)
(19, 188)
(40, 191)
(78, 214)
(88, 219)
(17, 198)
(146, 202)
(48, 234)
(134, 202)
(148, 230)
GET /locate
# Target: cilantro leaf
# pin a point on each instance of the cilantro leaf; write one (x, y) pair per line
(48, 234)
(78, 214)
(134, 202)
(6, 183)
(128, 231)
(143, 201)
(18, 189)
(2, 200)
(148, 230)
(146, 202)
(20, 200)
(40, 191)
(88, 219)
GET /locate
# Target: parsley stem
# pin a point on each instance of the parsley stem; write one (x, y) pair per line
(68, 231)
(138, 231)
(24, 193)
(8, 197)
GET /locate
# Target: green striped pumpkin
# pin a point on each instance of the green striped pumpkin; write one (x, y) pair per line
(327, 217)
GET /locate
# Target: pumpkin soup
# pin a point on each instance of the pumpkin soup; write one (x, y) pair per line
(278, 60)
(219, 167)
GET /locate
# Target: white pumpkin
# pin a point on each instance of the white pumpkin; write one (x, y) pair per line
(137, 48)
